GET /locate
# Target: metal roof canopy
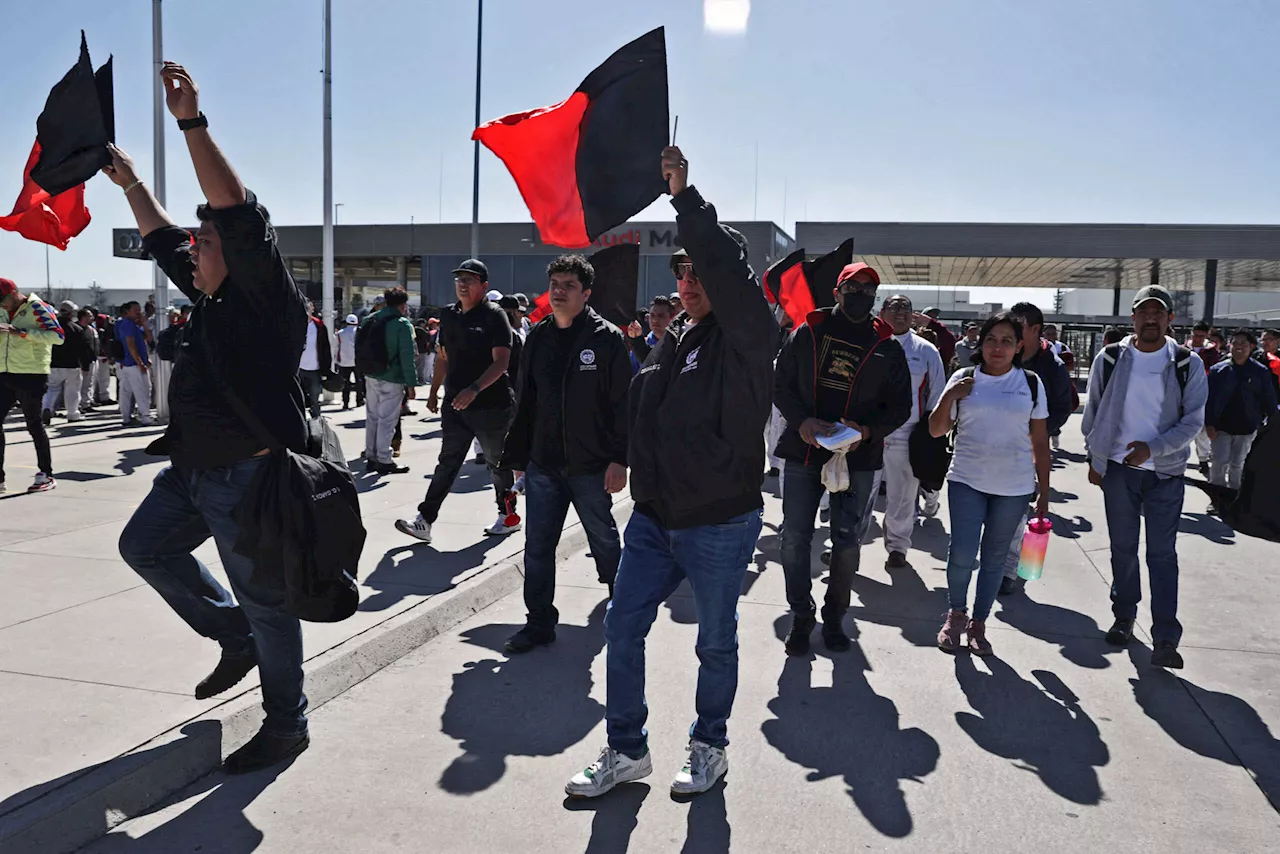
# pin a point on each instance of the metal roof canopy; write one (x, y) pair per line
(1056, 255)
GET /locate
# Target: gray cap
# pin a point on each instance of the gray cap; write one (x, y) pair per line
(67, 307)
(1154, 292)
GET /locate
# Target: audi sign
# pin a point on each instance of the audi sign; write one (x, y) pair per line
(126, 243)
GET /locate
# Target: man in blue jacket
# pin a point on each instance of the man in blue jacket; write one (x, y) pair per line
(1242, 395)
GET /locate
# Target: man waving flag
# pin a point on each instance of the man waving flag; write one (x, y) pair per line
(586, 164)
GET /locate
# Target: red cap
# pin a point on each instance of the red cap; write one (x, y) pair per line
(7, 287)
(854, 269)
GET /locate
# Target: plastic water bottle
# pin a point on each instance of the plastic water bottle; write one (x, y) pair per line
(1035, 542)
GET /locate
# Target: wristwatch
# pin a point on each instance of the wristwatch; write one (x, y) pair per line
(191, 124)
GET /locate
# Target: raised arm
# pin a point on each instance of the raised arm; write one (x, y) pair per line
(221, 185)
(146, 210)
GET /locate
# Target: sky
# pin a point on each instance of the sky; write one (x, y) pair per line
(917, 110)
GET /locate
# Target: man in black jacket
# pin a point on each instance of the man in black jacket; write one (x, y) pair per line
(697, 462)
(239, 353)
(569, 438)
(69, 361)
(842, 366)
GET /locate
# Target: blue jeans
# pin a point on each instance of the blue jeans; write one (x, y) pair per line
(801, 491)
(655, 560)
(1132, 495)
(979, 521)
(549, 493)
(183, 509)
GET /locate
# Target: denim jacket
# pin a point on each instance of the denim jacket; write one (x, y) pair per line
(1181, 416)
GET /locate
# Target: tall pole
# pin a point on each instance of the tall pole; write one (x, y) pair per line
(159, 367)
(755, 204)
(326, 275)
(48, 279)
(475, 167)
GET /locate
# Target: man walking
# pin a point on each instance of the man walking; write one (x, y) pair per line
(927, 380)
(317, 360)
(1138, 426)
(1242, 395)
(68, 362)
(697, 462)
(29, 330)
(966, 348)
(385, 390)
(841, 366)
(346, 362)
(102, 377)
(569, 437)
(133, 379)
(240, 352)
(472, 356)
(86, 317)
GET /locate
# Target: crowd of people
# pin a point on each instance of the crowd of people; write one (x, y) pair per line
(696, 413)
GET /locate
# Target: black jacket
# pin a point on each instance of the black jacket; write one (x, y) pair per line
(324, 349)
(75, 351)
(880, 397)
(699, 406)
(253, 328)
(593, 395)
(1056, 380)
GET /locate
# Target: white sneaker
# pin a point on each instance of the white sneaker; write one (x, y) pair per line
(76, 417)
(415, 527)
(606, 772)
(932, 499)
(706, 765)
(504, 526)
(43, 483)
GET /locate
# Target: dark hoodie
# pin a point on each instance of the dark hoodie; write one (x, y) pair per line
(829, 357)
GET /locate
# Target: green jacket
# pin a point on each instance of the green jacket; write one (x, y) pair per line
(401, 367)
(29, 353)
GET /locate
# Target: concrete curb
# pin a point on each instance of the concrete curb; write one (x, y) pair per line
(90, 805)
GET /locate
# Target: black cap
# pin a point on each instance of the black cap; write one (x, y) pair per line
(1154, 292)
(508, 302)
(523, 300)
(474, 267)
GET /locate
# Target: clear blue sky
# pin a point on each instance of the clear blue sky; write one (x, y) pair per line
(997, 110)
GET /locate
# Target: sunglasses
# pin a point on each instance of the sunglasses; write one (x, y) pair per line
(685, 268)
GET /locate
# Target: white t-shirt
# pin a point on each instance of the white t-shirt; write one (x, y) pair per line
(347, 347)
(310, 355)
(993, 435)
(927, 379)
(1143, 400)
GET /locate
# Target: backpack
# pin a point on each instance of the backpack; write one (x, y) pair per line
(371, 347)
(114, 347)
(168, 342)
(930, 456)
(1182, 367)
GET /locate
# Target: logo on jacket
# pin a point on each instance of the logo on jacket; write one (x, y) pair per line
(587, 356)
(691, 361)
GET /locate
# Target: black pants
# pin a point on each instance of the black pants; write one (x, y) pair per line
(460, 428)
(27, 391)
(349, 385)
(312, 388)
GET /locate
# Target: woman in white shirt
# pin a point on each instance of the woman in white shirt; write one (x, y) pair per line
(1001, 460)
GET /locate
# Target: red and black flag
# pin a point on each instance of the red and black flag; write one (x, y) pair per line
(801, 286)
(591, 162)
(613, 293)
(71, 146)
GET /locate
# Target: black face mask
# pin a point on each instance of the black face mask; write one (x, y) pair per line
(857, 304)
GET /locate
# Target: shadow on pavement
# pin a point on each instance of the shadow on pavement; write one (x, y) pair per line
(536, 704)
(1078, 636)
(1234, 733)
(851, 732)
(1211, 528)
(131, 459)
(931, 535)
(417, 567)
(708, 830)
(615, 819)
(906, 603)
(1042, 728)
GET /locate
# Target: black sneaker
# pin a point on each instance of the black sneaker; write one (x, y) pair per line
(1010, 586)
(370, 466)
(390, 468)
(1166, 655)
(526, 640)
(834, 638)
(46, 417)
(773, 472)
(1121, 631)
(1204, 469)
(230, 670)
(263, 751)
(798, 638)
(610, 586)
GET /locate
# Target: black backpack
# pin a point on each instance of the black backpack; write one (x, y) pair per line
(371, 347)
(168, 342)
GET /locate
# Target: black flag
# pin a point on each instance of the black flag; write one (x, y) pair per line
(77, 123)
(613, 294)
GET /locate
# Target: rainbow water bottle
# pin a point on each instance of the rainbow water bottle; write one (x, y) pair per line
(1035, 542)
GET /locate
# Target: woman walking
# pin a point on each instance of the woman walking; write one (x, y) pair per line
(1001, 456)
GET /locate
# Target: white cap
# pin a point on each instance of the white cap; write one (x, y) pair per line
(352, 319)
(493, 296)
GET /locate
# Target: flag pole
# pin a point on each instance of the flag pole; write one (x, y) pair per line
(475, 167)
(327, 271)
(159, 367)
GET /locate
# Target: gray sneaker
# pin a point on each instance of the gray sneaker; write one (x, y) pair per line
(606, 772)
(705, 765)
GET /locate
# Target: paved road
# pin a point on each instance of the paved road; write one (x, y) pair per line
(1058, 744)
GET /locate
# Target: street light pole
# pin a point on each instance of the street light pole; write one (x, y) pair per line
(475, 168)
(327, 273)
(159, 367)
